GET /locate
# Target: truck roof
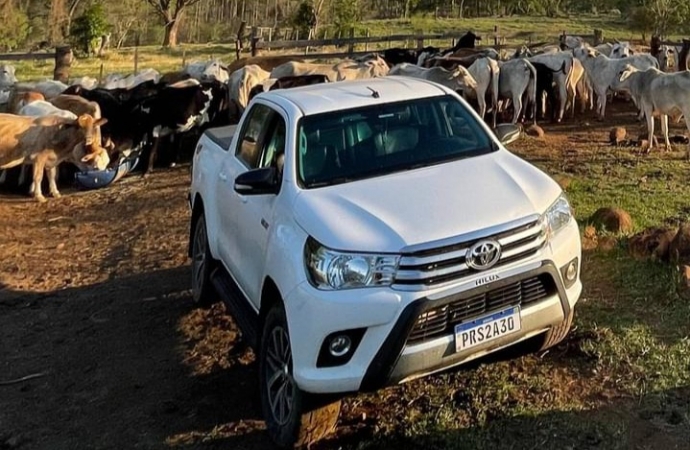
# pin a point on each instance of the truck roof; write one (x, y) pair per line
(326, 97)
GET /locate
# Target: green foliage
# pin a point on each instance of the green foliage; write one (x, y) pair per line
(345, 14)
(88, 27)
(14, 30)
(304, 17)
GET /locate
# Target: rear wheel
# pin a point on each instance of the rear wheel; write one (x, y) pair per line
(557, 333)
(202, 291)
(293, 417)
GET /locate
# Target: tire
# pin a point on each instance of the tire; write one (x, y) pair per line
(202, 262)
(556, 334)
(294, 419)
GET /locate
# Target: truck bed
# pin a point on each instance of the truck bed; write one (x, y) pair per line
(222, 135)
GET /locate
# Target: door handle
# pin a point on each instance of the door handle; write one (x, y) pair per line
(222, 176)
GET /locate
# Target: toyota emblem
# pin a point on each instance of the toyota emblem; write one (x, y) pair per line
(483, 255)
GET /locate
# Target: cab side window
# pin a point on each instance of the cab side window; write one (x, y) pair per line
(274, 143)
(253, 134)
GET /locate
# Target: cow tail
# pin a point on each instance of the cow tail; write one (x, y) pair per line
(493, 70)
(533, 77)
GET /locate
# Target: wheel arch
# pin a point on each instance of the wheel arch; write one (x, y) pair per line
(270, 296)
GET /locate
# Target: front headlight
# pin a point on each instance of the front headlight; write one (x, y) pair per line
(331, 270)
(558, 216)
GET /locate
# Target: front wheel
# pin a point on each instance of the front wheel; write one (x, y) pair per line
(556, 334)
(293, 418)
(202, 290)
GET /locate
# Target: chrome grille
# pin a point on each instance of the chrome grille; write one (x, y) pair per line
(441, 320)
(431, 267)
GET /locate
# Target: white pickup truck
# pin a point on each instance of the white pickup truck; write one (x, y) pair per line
(367, 233)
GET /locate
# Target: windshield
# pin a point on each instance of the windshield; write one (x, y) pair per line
(347, 145)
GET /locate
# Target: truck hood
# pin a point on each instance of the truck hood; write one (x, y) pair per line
(387, 213)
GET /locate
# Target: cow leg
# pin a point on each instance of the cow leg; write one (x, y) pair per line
(664, 130)
(52, 181)
(517, 108)
(23, 172)
(562, 100)
(601, 104)
(687, 125)
(650, 131)
(38, 179)
(482, 104)
(152, 156)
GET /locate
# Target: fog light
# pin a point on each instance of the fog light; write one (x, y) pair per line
(340, 345)
(571, 271)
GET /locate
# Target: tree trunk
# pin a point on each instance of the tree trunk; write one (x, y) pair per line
(171, 29)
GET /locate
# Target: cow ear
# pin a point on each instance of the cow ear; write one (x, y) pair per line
(100, 122)
(83, 120)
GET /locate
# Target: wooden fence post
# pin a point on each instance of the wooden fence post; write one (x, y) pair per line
(100, 75)
(683, 56)
(136, 55)
(184, 57)
(366, 44)
(420, 40)
(655, 46)
(63, 62)
(238, 42)
(598, 37)
(351, 46)
(496, 37)
(254, 40)
(561, 40)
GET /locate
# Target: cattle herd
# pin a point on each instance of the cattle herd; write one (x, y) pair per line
(96, 126)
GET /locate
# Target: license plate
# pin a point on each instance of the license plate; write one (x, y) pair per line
(487, 328)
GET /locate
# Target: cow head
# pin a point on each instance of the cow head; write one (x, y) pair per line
(584, 52)
(377, 66)
(7, 75)
(625, 72)
(463, 78)
(621, 50)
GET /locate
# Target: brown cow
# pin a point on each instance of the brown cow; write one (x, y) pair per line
(267, 63)
(20, 98)
(47, 141)
(80, 106)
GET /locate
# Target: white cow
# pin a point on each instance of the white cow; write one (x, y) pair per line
(344, 70)
(118, 81)
(457, 79)
(605, 48)
(602, 71)
(486, 73)
(658, 93)
(208, 70)
(85, 82)
(42, 108)
(518, 77)
(667, 58)
(621, 50)
(49, 88)
(555, 62)
(7, 76)
(243, 80)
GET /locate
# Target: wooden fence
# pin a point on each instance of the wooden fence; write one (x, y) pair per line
(309, 47)
(63, 60)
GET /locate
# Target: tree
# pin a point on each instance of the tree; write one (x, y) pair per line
(89, 27)
(15, 27)
(170, 12)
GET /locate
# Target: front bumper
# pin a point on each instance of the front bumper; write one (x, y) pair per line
(384, 356)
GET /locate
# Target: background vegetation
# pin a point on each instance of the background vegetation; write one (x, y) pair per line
(40, 23)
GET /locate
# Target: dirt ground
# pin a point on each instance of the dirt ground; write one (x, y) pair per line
(95, 303)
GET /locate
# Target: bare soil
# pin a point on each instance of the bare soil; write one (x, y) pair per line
(95, 301)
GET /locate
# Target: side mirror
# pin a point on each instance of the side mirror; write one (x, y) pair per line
(507, 133)
(258, 182)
